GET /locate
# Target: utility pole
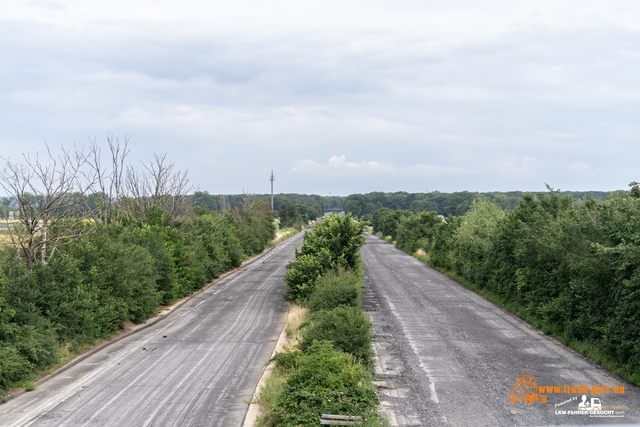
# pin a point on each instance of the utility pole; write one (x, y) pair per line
(272, 178)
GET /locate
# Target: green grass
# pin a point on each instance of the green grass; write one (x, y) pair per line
(268, 397)
(274, 384)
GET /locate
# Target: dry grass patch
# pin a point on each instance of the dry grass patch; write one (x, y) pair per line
(295, 317)
(4, 239)
(284, 234)
(277, 378)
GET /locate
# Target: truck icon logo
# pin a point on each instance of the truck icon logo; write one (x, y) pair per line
(526, 389)
(594, 405)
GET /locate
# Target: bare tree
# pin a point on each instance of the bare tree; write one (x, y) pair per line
(159, 184)
(109, 181)
(248, 200)
(224, 203)
(54, 196)
(49, 194)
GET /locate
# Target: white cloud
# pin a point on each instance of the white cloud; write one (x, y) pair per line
(580, 167)
(519, 166)
(339, 164)
(435, 170)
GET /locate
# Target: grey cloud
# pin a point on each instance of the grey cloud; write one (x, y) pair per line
(518, 104)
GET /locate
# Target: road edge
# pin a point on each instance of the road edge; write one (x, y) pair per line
(254, 408)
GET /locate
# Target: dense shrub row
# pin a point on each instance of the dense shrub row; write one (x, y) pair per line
(569, 266)
(336, 288)
(322, 380)
(122, 272)
(347, 328)
(330, 370)
(334, 243)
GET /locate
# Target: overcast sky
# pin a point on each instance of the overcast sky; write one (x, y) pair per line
(335, 96)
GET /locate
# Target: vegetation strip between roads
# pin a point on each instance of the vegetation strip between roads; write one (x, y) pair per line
(327, 368)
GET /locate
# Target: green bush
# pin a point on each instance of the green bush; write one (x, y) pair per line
(122, 271)
(154, 241)
(347, 328)
(37, 343)
(327, 382)
(416, 231)
(287, 361)
(335, 289)
(333, 243)
(303, 273)
(13, 367)
(386, 221)
(59, 293)
(341, 236)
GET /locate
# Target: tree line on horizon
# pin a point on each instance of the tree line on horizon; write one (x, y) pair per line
(361, 205)
(456, 203)
(221, 202)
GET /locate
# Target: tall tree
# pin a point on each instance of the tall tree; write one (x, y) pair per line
(160, 184)
(109, 181)
(49, 193)
(287, 212)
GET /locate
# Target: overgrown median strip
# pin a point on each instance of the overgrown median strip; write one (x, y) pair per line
(327, 367)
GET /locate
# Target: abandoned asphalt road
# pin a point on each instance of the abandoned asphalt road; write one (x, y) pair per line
(450, 357)
(193, 368)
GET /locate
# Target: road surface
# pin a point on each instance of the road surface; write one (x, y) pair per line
(450, 357)
(193, 368)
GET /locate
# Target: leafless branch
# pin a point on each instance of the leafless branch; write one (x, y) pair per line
(159, 184)
(48, 194)
(108, 191)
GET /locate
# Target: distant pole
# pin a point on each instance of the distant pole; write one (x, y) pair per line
(272, 178)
